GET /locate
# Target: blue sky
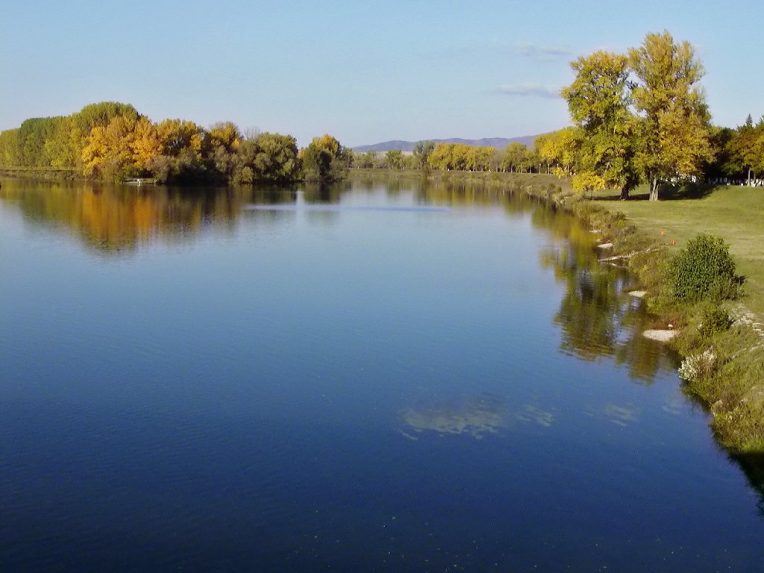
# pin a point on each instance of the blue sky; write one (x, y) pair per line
(365, 71)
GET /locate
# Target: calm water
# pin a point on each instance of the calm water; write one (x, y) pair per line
(372, 377)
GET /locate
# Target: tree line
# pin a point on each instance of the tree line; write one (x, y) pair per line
(112, 141)
(515, 158)
(641, 117)
(638, 117)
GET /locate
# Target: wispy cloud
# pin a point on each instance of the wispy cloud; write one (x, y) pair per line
(546, 53)
(529, 90)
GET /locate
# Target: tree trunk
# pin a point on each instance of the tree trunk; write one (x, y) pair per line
(749, 177)
(654, 190)
(624, 193)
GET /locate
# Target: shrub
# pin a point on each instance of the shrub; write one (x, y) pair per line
(587, 182)
(698, 366)
(704, 270)
(714, 319)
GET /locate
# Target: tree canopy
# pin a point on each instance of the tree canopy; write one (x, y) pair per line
(325, 159)
(674, 126)
(112, 141)
(640, 115)
(599, 100)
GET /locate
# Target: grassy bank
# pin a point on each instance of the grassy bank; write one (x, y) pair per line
(532, 183)
(722, 343)
(733, 213)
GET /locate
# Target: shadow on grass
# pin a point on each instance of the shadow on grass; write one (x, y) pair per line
(667, 192)
(687, 191)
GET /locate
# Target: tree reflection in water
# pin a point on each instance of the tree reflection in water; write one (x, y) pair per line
(753, 467)
(597, 317)
(115, 219)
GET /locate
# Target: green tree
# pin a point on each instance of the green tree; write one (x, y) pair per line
(64, 144)
(746, 147)
(325, 159)
(514, 157)
(533, 160)
(91, 116)
(561, 150)
(180, 157)
(724, 163)
(598, 100)
(32, 136)
(100, 114)
(674, 128)
(394, 159)
(10, 155)
(481, 158)
(220, 149)
(422, 152)
(268, 157)
(460, 157)
(366, 160)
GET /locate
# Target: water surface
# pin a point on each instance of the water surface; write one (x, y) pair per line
(376, 376)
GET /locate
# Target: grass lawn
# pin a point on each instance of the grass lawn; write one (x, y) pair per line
(734, 213)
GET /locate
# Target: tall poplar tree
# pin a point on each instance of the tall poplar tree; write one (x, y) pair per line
(598, 100)
(674, 134)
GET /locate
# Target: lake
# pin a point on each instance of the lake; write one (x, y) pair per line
(381, 375)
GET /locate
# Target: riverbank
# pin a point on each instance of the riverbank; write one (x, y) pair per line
(723, 357)
(726, 359)
(642, 237)
(42, 174)
(731, 381)
(733, 213)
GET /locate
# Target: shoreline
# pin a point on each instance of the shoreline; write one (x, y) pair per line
(731, 384)
(731, 387)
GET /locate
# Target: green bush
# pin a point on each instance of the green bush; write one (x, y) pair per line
(704, 270)
(714, 319)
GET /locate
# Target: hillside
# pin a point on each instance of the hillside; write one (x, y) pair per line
(498, 142)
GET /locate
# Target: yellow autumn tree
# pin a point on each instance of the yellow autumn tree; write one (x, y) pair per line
(146, 144)
(107, 150)
(560, 149)
(674, 125)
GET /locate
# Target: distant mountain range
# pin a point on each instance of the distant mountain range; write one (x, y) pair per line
(497, 142)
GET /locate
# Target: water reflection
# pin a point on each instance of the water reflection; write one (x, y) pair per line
(475, 417)
(753, 467)
(534, 415)
(115, 219)
(622, 415)
(596, 317)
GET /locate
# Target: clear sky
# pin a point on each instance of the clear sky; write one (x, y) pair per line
(365, 71)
